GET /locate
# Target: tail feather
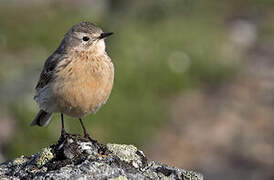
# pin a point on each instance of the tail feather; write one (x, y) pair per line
(42, 118)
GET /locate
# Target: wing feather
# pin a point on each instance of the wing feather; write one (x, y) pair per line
(49, 68)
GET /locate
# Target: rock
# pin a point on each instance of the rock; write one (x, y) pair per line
(73, 157)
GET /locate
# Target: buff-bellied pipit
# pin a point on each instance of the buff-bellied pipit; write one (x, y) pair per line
(77, 78)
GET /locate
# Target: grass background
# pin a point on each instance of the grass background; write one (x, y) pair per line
(159, 49)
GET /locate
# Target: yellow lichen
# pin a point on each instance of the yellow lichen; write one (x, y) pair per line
(127, 153)
(43, 157)
(119, 178)
(124, 152)
(191, 175)
(21, 160)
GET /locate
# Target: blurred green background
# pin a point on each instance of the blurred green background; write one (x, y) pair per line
(162, 51)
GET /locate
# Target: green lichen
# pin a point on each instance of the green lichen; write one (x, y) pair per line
(167, 178)
(5, 178)
(191, 175)
(119, 178)
(21, 160)
(126, 153)
(43, 157)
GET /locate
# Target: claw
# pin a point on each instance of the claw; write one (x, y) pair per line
(87, 136)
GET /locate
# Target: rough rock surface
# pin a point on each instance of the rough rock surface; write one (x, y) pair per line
(76, 158)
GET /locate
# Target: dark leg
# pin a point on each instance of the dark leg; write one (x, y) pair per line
(63, 132)
(86, 135)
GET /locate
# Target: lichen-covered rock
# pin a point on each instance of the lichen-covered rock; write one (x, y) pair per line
(76, 158)
(43, 157)
(129, 154)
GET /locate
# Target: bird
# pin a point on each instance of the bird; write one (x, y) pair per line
(77, 78)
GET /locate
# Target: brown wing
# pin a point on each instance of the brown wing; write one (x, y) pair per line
(49, 69)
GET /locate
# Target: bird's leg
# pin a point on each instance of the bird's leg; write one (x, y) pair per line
(63, 132)
(86, 135)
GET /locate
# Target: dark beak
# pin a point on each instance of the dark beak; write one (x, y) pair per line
(105, 34)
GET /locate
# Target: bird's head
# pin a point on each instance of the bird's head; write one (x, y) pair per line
(85, 36)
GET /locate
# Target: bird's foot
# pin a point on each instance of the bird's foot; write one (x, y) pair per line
(63, 132)
(87, 136)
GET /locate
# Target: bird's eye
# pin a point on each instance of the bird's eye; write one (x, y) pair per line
(85, 38)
